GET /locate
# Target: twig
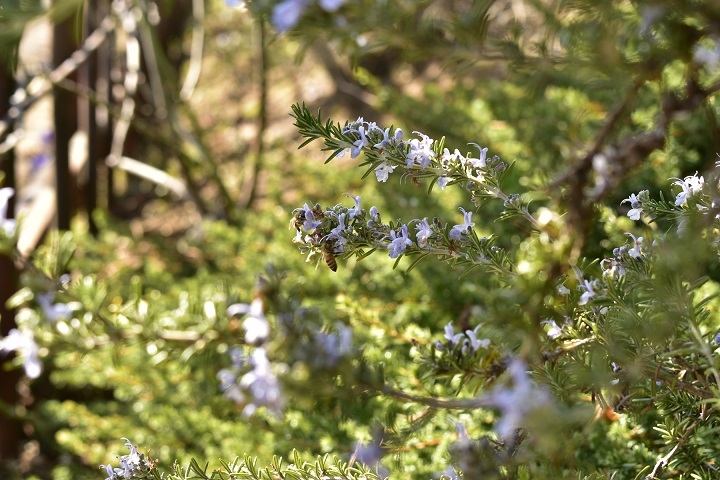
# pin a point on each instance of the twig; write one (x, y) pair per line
(433, 402)
(151, 132)
(148, 172)
(578, 172)
(132, 55)
(250, 185)
(196, 51)
(663, 460)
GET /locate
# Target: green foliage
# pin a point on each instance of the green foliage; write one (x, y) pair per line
(586, 101)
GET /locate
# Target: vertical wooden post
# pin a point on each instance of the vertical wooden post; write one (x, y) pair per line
(88, 76)
(9, 427)
(65, 119)
(104, 181)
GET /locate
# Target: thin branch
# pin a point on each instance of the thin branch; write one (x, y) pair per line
(148, 172)
(254, 168)
(127, 110)
(579, 170)
(196, 51)
(433, 402)
(150, 131)
(663, 461)
(41, 84)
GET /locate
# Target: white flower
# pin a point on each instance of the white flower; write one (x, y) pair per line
(468, 339)
(635, 207)
(420, 152)
(360, 143)
(256, 326)
(474, 342)
(331, 5)
(133, 465)
(479, 162)
(383, 170)
(612, 267)
(7, 225)
(24, 344)
(424, 231)
(634, 252)
(554, 331)
(691, 185)
(448, 159)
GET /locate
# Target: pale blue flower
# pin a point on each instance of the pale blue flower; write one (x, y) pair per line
(353, 126)
(310, 223)
(448, 159)
(262, 385)
(461, 229)
(353, 212)
(454, 338)
(588, 293)
(228, 376)
(516, 401)
(360, 143)
(336, 235)
(331, 5)
(24, 344)
(53, 311)
(133, 465)
(443, 181)
(371, 454)
(331, 347)
(468, 339)
(710, 57)
(286, 15)
(390, 141)
(340, 228)
(374, 214)
(398, 244)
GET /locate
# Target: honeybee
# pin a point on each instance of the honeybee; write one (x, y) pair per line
(299, 216)
(328, 252)
(298, 219)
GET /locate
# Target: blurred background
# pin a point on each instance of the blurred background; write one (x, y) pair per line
(159, 135)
